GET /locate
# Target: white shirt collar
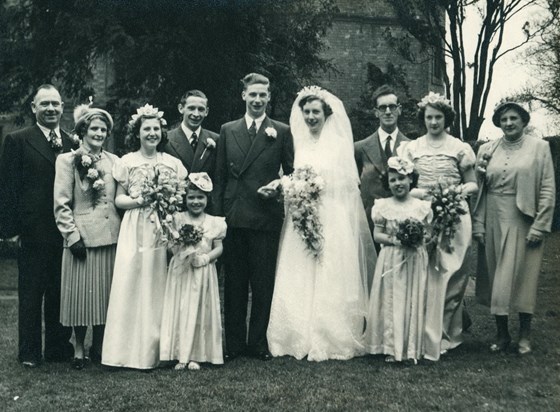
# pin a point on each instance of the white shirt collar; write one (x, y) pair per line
(383, 136)
(258, 122)
(188, 132)
(46, 131)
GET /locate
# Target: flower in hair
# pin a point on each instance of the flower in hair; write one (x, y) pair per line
(401, 165)
(148, 110)
(433, 98)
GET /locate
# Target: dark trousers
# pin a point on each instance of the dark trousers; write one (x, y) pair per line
(250, 260)
(39, 285)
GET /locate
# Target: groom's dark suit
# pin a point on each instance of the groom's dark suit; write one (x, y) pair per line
(254, 224)
(27, 169)
(372, 166)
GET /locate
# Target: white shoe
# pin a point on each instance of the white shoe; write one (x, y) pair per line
(180, 366)
(194, 366)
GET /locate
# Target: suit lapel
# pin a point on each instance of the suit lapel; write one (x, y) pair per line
(39, 142)
(400, 139)
(372, 149)
(241, 136)
(180, 144)
(202, 149)
(259, 144)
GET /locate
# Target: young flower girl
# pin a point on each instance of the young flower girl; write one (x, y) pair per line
(395, 321)
(191, 329)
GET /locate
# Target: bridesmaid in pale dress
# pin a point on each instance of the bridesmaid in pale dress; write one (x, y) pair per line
(86, 216)
(441, 158)
(135, 305)
(513, 213)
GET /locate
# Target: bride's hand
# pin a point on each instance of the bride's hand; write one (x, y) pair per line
(270, 190)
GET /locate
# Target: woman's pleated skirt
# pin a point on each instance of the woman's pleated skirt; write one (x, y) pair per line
(85, 286)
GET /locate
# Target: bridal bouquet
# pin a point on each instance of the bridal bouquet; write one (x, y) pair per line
(447, 206)
(411, 233)
(163, 194)
(302, 194)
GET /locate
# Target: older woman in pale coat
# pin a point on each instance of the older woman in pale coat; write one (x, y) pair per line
(514, 210)
(84, 193)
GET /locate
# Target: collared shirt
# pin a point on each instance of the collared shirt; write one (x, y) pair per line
(46, 131)
(188, 132)
(258, 122)
(383, 137)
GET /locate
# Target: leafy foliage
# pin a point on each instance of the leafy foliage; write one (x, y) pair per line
(161, 48)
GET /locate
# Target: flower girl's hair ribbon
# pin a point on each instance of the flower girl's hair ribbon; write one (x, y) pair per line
(401, 165)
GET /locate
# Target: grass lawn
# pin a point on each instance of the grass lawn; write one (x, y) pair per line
(469, 378)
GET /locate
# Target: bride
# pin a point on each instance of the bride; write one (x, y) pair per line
(326, 251)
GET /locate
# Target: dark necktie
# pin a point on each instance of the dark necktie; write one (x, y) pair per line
(53, 140)
(194, 141)
(253, 130)
(387, 148)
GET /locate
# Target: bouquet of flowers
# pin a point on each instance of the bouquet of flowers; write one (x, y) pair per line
(302, 194)
(411, 233)
(447, 205)
(87, 170)
(163, 194)
(189, 235)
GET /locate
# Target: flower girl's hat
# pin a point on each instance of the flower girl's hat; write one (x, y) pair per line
(202, 181)
(401, 165)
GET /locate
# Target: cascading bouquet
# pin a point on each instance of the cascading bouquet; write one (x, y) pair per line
(302, 195)
(447, 206)
(85, 164)
(411, 233)
(163, 194)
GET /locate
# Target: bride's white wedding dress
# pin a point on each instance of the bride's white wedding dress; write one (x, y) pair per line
(319, 305)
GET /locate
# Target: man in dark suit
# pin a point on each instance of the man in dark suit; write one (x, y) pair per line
(190, 143)
(251, 151)
(372, 152)
(27, 178)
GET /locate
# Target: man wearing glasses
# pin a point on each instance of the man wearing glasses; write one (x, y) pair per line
(372, 152)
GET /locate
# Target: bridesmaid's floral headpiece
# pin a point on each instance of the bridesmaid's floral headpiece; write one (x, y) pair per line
(150, 111)
(202, 181)
(401, 165)
(433, 98)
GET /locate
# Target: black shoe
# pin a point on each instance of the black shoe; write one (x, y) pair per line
(30, 364)
(263, 355)
(94, 356)
(231, 355)
(78, 363)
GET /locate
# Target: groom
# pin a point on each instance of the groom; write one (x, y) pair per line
(250, 152)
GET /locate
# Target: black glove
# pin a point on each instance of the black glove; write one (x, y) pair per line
(78, 249)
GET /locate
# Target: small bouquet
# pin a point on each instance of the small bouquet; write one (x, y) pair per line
(447, 206)
(190, 235)
(163, 194)
(483, 165)
(85, 164)
(302, 195)
(411, 233)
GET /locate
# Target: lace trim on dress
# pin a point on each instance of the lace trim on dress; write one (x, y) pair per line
(388, 209)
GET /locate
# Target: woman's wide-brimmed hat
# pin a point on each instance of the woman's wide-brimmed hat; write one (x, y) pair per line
(502, 107)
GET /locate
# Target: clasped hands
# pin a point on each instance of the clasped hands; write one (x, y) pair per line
(270, 190)
(534, 238)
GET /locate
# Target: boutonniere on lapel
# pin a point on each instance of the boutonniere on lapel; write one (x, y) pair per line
(271, 132)
(209, 145)
(87, 170)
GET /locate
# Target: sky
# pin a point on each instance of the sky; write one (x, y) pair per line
(511, 73)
